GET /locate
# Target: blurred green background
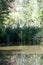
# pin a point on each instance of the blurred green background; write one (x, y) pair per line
(21, 22)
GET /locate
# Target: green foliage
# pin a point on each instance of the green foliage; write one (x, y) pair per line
(16, 36)
(30, 13)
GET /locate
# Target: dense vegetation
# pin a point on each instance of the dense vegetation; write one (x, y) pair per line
(17, 35)
(21, 22)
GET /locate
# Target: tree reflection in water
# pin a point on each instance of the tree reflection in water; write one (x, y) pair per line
(21, 59)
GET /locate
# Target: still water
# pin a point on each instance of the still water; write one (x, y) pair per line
(12, 58)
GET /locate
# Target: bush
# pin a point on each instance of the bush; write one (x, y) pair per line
(20, 36)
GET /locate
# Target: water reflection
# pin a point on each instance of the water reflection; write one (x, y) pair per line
(20, 59)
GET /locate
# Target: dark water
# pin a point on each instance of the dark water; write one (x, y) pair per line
(13, 58)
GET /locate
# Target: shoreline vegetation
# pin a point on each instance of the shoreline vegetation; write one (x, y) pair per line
(21, 36)
(21, 22)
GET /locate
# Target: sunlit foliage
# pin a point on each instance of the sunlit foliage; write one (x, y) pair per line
(21, 21)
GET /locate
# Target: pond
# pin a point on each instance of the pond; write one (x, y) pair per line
(13, 58)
